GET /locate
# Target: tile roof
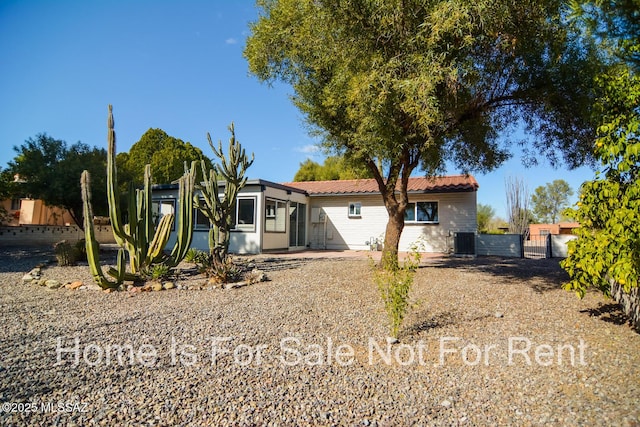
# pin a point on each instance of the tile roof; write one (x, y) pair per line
(441, 184)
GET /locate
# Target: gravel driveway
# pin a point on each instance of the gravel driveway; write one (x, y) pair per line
(488, 342)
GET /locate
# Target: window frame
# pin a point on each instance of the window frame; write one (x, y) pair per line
(196, 225)
(355, 210)
(247, 228)
(275, 216)
(414, 219)
(244, 228)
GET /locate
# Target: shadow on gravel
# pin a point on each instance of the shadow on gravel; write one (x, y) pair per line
(23, 259)
(540, 274)
(439, 320)
(432, 322)
(610, 313)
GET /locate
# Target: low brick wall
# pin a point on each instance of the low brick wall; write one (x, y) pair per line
(42, 235)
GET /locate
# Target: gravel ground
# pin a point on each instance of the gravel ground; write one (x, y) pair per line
(308, 347)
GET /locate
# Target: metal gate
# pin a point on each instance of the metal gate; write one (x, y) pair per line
(537, 245)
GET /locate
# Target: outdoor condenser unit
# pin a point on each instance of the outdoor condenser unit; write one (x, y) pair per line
(464, 243)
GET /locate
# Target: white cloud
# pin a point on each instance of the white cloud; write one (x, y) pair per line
(231, 40)
(307, 149)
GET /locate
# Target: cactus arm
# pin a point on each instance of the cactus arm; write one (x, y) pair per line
(185, 216)
(119, 273)
(93, 251)
(146, 216)
(113, 194)
(160, 239)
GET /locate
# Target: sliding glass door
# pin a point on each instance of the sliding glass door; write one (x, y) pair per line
(297, 224)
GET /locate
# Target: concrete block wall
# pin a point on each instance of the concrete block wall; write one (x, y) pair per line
(43, 235)
(504, 245)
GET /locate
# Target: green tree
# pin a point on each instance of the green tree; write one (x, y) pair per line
(485, 214)
(333, 168)
(7, 187)
(550, 200)
(308, 171)
(408, 85)
(166, 155)
(6, 192)
(608, 244)
(50, 171)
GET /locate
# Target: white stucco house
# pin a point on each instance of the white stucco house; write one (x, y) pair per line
(337, 215)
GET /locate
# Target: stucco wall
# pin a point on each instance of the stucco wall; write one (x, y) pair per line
(559, 245)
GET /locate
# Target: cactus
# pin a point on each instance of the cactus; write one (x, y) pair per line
(220, 211)
(93, 251)
(186, 202)
(145, 243)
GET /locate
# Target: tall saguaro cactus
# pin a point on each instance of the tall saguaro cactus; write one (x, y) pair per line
(144, 242)
(221, 210)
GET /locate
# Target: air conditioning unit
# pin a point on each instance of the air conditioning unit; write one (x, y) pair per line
(464, 243)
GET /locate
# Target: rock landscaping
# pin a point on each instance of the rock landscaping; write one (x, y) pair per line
(487, 342)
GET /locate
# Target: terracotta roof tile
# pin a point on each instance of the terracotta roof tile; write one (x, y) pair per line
(442, 184)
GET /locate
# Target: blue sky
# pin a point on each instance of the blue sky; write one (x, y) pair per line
(172, 65)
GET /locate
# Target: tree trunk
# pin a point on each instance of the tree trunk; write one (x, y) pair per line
(395, 225)
(395, 200)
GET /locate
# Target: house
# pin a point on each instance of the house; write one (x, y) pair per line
(28, 211)
(337, 215)
(547, 229)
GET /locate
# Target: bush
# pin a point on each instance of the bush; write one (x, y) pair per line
(608, 244)
(81, 250)
(66, 253)
(394, 283)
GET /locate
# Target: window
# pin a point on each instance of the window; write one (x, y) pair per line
(355, 209)
(275, 216)
(245, 214)
(160, 208)
(200, 222)
(243, 218)
(15, 204)
(421, 212)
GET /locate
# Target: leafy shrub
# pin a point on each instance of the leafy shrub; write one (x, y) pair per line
(608, 244)
(394, 283)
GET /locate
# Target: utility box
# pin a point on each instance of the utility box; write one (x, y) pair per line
(464, 243)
